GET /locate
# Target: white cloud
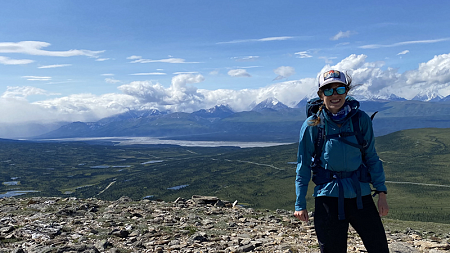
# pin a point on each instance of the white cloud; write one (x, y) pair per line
(214, 72)
(34, 48)
(374, 46)
(258, 40)
(341, 35)
(178, 97)
(169, 60)
(303, 54)
(435, 72)
(289, 93)
(134, 57)
(403, 52)
(248, 67)
(431, 77)
(60, 82)
(85, 107)
(8, 61)
(17, 111)
(102, 59)
(353, 61)
(112, 80)
(22, 92)
(377, 81)
(238, 73)
(54, 66)
(185, 72)
(245, 58)
(37, 78)
(108, 74)
(283, 72)
(149, 74)
(342, 44)
(144, 91)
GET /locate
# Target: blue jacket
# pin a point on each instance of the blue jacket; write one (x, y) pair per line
(337, 156)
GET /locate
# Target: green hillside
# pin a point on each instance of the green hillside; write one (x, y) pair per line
(416, 163)
(417, 156)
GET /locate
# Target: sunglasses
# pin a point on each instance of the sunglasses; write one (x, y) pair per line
(330, 92)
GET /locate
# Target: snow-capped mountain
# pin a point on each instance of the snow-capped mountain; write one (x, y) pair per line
(428, 96)
(131, 114)
(271, 104)
(394, 97)
(218, 111)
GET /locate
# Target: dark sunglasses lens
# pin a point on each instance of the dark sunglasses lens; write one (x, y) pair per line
(328, 92)
(340, 90)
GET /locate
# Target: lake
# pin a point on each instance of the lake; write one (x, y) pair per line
(14, 193)
(156, 141)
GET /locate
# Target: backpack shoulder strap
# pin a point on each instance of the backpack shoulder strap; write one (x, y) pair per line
(318, 146)
(357, 128)
(358, 133)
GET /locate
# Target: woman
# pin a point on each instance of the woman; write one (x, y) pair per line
(342, 196)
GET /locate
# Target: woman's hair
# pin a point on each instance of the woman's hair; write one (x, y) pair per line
(316, 120)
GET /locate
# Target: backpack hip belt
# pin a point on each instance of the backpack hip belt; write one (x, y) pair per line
(323, 176)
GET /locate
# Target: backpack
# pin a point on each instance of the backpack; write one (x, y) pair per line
(321, 175)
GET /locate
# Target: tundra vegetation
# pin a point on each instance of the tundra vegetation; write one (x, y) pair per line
(417, 165)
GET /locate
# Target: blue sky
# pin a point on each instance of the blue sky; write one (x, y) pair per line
(84, 60)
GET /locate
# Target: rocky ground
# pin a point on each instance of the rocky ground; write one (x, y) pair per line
(200, 224)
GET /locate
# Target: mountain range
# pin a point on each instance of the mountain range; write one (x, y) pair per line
(269, 120)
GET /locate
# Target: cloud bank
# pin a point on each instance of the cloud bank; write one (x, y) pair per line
(377, 81)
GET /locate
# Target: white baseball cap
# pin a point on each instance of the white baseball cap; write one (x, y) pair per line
(332, 76)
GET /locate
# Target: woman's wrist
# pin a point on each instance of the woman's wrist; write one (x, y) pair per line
(379, 193)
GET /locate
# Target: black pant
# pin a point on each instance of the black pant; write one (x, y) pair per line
(332, 232)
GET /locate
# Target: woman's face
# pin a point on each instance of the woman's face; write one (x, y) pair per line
(334, 102)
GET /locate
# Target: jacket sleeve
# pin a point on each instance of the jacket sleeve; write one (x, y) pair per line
(304, 156)
(371, 157)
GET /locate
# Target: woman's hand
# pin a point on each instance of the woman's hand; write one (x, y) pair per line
(302, 215)
(383, 207)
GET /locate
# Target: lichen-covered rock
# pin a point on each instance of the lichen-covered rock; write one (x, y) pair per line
(200, 224)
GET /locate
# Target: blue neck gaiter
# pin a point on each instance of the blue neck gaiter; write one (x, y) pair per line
(341, 115)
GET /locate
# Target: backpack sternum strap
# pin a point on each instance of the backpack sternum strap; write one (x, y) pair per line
(341, 137)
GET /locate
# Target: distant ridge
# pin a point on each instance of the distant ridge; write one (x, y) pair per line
(270, 120)
(131, 115)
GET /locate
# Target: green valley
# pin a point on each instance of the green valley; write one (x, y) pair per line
(417, 165)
